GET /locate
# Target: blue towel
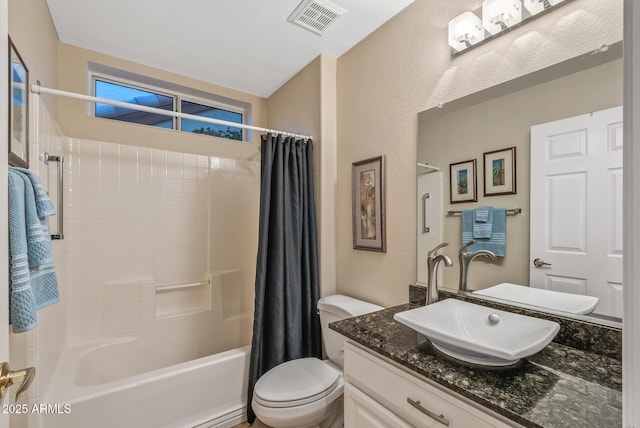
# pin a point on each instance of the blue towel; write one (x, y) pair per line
(32, 284)
(43, 203)
(483, 222)
(497, 242)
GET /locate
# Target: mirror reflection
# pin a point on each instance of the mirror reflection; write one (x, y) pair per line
(554, 138)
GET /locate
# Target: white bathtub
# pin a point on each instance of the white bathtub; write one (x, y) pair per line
(106, 385)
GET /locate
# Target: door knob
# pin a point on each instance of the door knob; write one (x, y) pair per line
(539, 263)
(8, 378)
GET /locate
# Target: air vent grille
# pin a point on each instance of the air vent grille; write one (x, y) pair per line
(316, 15)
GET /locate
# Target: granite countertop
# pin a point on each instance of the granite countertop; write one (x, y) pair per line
(558, 387)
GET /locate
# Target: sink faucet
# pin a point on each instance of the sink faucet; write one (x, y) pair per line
(466, 258)
(433, 260)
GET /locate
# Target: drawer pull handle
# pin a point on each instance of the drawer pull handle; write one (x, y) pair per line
(439, 418)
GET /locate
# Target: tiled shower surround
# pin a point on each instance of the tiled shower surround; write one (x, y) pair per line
(156, 237)
(158, 245)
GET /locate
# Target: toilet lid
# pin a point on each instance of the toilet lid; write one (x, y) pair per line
(296, 382)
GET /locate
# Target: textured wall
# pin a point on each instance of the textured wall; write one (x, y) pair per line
(306, 104)
(405, 67)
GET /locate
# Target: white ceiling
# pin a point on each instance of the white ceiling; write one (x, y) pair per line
(246, 45)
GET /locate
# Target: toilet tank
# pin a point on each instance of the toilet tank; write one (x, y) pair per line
(335, 308)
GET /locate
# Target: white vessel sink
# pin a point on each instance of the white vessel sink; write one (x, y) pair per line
(556, 300)
(478, 334)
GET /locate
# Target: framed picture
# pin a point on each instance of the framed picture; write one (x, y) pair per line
(463, 186)
(18, 109)
(368, 205)
(500, 172)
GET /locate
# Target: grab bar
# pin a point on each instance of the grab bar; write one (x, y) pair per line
(50, 158)
(161, 288)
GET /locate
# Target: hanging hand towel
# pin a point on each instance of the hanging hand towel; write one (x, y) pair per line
(496, 243)
(42, 282)
(483, 222)
(43, 204)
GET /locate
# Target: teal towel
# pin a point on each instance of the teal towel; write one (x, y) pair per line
(498, 240)
(33, 281)
(43, 204)
(483, 222)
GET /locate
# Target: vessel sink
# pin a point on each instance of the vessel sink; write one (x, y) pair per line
(479, 334)
(566, 302)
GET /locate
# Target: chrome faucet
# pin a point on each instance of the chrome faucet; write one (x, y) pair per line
(466, 258)
(433, 260)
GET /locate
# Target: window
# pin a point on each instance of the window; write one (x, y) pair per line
(109, 88)
(127, 94)
(191, 125)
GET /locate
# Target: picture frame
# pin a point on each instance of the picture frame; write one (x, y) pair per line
(463, 184)
(368, 194)
(500, 172)
(18, 109)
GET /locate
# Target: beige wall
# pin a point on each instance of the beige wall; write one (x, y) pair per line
(504, 122)
(35, 37)
(405, 67)
(74, 121)
(306, 104)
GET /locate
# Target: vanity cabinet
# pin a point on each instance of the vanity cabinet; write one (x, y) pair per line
(379, 394)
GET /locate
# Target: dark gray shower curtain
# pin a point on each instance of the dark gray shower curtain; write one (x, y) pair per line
(286, 325)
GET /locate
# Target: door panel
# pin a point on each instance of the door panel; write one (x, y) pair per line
(576, 207)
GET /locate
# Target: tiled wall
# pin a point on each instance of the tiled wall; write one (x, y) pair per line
(137, 219)
(42, 346)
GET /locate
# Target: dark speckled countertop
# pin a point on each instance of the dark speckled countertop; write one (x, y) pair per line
(558, 387)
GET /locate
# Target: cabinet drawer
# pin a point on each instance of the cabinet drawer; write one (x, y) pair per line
(394, 388)
(362, 411)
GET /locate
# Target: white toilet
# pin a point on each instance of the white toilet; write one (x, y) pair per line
(307, 393)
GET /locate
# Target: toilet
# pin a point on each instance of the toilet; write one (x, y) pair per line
(307, 392)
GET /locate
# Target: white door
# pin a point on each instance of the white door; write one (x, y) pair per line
(4, 131)
(576, 207)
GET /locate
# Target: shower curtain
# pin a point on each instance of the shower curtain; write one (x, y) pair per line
(286, 325)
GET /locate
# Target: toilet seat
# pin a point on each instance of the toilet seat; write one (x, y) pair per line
(295, 383)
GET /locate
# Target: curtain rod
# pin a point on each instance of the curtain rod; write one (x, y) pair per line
(37, 89)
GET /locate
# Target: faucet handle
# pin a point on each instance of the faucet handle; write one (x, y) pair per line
(434, 252)
(463, 250)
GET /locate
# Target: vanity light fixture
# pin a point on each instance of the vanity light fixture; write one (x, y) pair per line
(465, 30)
(536, 6)
(498, 16)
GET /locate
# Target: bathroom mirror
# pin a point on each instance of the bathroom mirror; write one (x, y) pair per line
(499, 118)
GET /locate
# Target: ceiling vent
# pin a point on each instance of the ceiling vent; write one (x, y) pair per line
(316, 15)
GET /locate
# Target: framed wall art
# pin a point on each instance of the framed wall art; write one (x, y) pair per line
(18, 109)
(463, 186)
(368, 205)
(500, 172)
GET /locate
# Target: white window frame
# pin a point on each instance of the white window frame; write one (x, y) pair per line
(175, 95)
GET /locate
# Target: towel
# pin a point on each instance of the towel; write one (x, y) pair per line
(32, 284)
(483, 222)
(43, 203)
(496, 243)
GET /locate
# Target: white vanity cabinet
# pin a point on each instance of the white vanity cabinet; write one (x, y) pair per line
(379, 394)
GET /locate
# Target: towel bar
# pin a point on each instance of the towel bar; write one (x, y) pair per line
(60, 206)
(513, 211)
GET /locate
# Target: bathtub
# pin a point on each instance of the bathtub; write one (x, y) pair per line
(108, 385)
